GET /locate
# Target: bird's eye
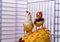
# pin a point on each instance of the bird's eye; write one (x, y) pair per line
(29, 12)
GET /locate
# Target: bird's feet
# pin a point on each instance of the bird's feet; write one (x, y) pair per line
(37, 30)
(30, 32)
(24, 35)
(44, 28)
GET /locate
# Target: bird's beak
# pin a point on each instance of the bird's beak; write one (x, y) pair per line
(26, 12)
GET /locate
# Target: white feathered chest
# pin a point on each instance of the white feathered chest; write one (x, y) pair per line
(28, 19)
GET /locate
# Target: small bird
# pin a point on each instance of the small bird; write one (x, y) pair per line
(39, 20)
(28, 24)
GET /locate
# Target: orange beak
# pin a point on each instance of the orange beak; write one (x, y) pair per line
(26, 11)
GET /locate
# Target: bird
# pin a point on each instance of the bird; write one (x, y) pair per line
(39, 20)
(28, 24)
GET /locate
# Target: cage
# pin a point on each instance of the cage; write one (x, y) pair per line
(12, 17)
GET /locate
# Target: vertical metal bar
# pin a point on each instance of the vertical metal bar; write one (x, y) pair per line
(58, 24)
(27, 4)
(47, 14)
(34, 10)
(54, 18)
(50, 15)
(0, 20)
(16, 22)
(50, 11)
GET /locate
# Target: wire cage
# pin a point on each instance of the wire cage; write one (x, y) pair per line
(12, 17)
(50, 9)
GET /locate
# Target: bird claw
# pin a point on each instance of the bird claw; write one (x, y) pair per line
(37, 30)
(31, 32)
(24, 35)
